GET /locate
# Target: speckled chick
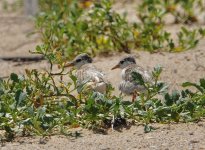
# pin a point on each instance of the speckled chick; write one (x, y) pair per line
(88, 74)
(128, 86)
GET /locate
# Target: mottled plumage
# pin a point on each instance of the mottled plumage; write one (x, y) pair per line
(88, 74)
(128, 86)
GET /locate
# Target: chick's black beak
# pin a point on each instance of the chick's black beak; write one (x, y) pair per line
(70, 64)
(115, 67)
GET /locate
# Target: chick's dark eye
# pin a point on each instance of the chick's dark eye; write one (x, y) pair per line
(122, 62)
(78, 60)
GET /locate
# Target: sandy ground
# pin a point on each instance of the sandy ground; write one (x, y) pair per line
(174, 137)
(178, 68)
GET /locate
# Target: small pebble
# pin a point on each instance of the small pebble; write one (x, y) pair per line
(194, 141)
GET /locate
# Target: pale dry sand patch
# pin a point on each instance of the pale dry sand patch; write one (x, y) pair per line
(173, 137)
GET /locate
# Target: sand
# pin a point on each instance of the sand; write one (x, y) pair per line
(174, 137)
(177, 68)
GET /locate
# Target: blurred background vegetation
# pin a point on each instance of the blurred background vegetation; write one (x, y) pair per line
(70, 27)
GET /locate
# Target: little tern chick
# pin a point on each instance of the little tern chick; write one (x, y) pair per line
(128, 86)
(88, 74)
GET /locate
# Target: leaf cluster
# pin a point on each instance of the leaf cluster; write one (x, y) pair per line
(183, 11)
(68, 29)
(38, 103)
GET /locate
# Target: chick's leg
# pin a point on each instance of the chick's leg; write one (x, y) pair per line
(134, 96)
